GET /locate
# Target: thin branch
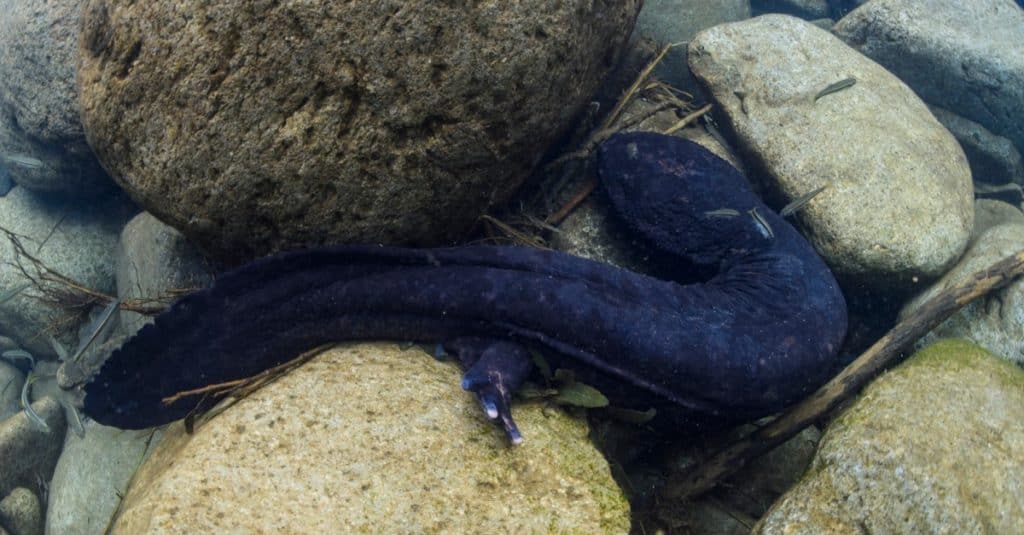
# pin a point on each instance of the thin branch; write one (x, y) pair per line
(247, 385)
(588, 187)
(687, 120)
(67, 293)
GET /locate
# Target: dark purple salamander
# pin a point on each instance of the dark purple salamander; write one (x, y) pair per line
(758, 335)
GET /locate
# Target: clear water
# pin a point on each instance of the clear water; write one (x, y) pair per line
(147, 151)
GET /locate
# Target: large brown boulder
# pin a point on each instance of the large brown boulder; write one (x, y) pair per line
(269, 125)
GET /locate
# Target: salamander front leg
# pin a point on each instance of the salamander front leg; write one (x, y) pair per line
(495, 369)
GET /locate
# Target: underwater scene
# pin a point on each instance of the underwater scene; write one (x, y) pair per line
(511, 266)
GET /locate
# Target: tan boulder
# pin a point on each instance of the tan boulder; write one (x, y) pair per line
(373, 439)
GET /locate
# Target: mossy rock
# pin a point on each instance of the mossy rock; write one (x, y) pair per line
(933, 446)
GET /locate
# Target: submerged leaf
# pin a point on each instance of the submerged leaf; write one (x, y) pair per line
(580, 395)
(542, 364)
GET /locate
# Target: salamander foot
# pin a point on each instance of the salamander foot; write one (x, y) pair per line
(495, 369)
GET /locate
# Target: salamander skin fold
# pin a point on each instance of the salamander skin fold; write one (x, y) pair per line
(759, 334)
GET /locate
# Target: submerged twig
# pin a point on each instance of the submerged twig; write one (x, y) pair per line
(848, 383)
(240, 388)
(640, 79)
(65, 292)
(516, 235)
(588, 187)
(687, 120)
(668, 99)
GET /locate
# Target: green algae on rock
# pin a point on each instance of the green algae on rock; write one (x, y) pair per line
(934, 445)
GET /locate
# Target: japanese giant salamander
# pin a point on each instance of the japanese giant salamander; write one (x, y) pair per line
(760, 333)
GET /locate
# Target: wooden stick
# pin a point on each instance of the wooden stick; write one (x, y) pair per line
(227, 387)
(687, 120)
(588, 187)
(849, 382)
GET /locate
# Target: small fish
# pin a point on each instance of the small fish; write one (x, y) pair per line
(26, 405)
(96, 328)
(713, 131)
(801, 201)
(838, 86)
(722, 212)
(15, 354)
(22, 160)
(762, 225)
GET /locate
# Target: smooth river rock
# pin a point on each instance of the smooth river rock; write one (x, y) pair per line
(994, 159)
(373, 439)
(27, 452)
(21, 513)
(898, 199)
(39, 100)
(967, 57)
(91, 476)
(933, 446)
(288, 124)
(994, 321)
(156, 264)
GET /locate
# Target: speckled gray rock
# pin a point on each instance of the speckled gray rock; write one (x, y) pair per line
(21, 513)
(293, 124)
(76, 239)
(967, 57)
(898, 202)
(39, 101)
(11, 380)
(677, 21)
(152, 259)
(26, 451)
(805, 9)
(989, 213)
(90, 475)
(993, 158)
(996, 321)
(372, 439)
(933, 446)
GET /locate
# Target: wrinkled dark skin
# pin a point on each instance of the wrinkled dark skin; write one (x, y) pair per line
(760, 334)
